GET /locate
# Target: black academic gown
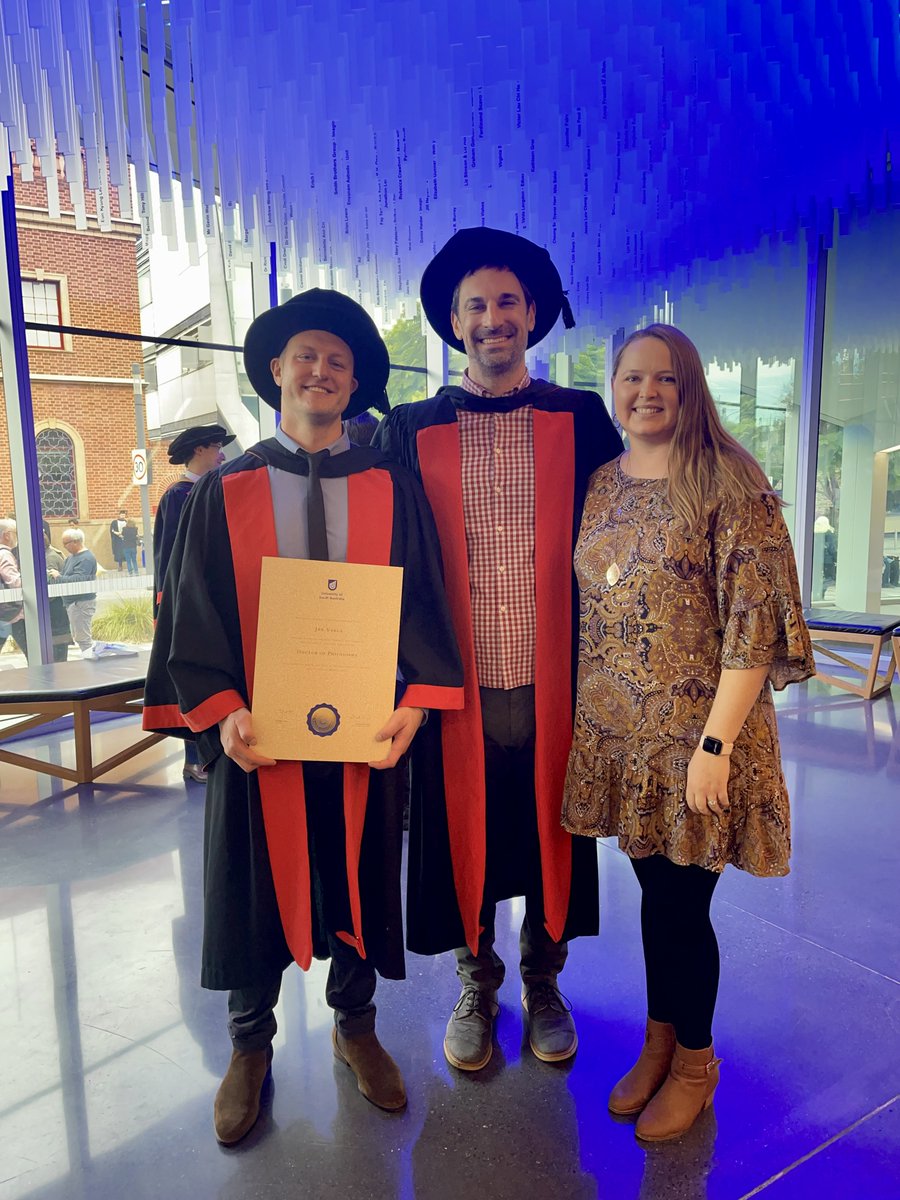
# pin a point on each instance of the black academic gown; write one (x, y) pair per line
(457, 855)
(258, 910)
(165, 526)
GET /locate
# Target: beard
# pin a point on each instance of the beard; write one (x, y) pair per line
(498, 360)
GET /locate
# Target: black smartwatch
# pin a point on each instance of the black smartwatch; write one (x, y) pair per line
(714, 745)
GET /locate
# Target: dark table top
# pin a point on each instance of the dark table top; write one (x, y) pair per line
(77, 680)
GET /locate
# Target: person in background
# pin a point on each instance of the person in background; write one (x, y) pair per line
(690, 614)
(117, 542)
(197, 449)
(824, 557)
(130, 546)
(11, 620)
(59, 619)
(81, 604)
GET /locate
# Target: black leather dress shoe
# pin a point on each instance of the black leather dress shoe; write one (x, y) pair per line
(195, 772)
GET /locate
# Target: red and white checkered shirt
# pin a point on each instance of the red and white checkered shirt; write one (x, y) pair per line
(497, 454)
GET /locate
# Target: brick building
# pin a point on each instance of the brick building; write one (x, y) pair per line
(81, 387)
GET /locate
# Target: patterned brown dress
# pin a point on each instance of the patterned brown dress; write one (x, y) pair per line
(652, 647)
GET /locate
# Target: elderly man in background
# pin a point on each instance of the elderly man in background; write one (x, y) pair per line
(80, 566)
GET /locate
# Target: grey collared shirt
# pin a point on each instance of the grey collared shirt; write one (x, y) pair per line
(289, 496)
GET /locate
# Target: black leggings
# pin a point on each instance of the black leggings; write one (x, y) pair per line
(681, 954)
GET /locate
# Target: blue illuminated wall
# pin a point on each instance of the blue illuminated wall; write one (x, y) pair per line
(649, 146)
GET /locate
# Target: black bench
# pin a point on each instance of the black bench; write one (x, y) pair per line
(42, 694)
(874, 630)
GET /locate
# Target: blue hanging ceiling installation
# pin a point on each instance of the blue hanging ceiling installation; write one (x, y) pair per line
(633, 139)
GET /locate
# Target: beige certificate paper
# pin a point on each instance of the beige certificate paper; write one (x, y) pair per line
(326, 659)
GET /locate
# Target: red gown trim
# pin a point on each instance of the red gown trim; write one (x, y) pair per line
(161, 716)
(214, 709)
(251, 528)
(461, 736)
(370, 536)
(554, 483)
(425, 695)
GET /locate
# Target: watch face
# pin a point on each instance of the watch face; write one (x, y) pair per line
(712, 745)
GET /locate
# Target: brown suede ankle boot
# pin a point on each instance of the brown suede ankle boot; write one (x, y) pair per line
(377, 1075)
(645, 1078)
(237, 1101)
(693, 1079)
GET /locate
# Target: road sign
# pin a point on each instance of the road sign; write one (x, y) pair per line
(139, 473)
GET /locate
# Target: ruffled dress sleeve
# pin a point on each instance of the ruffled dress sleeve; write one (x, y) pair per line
(758, 593)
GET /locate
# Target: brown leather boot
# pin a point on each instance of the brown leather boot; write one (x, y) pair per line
(237, 1100)
(693, 1079)
(643, 1081)
(377, 1075)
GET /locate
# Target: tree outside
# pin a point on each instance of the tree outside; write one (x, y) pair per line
(590, 368)
(406, 348)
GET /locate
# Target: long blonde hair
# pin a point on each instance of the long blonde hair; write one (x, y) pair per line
(704, 459)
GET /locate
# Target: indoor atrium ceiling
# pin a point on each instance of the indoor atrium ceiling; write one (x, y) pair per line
(646, 144)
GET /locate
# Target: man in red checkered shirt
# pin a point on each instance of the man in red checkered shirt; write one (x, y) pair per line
(505, 460)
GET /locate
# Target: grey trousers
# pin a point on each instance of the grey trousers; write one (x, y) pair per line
(81, 614)
(508, 722)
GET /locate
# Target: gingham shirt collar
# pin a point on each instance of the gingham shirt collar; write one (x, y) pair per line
(469, 385)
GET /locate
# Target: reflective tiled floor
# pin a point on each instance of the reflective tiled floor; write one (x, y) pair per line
(112, 1052)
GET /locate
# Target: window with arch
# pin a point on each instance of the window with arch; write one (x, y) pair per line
(56, 470)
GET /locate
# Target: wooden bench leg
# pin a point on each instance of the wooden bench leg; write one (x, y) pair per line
(84, 765)
(872, 684)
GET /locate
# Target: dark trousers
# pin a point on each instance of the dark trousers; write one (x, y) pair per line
(350, 987)
(514, 862)
(349, 991)
(681, 954)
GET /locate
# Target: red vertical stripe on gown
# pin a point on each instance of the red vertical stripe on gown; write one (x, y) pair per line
(554, 487)
(370, 521)
(251, 526)
(461, 734)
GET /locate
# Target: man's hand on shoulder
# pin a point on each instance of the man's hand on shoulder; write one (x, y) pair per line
(400, 730)
(236, 732)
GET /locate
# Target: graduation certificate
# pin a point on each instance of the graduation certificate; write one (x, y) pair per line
(326, 659)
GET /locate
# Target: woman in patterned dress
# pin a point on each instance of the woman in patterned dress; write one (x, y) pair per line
(690, 614)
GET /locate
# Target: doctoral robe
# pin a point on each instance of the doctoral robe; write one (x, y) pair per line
(258, 910)
(450, 867)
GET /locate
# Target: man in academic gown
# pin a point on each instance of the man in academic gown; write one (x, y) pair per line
(198, 449)
(300, 859)
(505, 460)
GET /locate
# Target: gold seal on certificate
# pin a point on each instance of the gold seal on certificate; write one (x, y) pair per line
(326, 659)
(323, 719)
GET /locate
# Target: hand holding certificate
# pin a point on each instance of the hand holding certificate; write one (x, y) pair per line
(326, 659)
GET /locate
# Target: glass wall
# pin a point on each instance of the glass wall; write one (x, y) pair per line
(856, 555)
(746, 318)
